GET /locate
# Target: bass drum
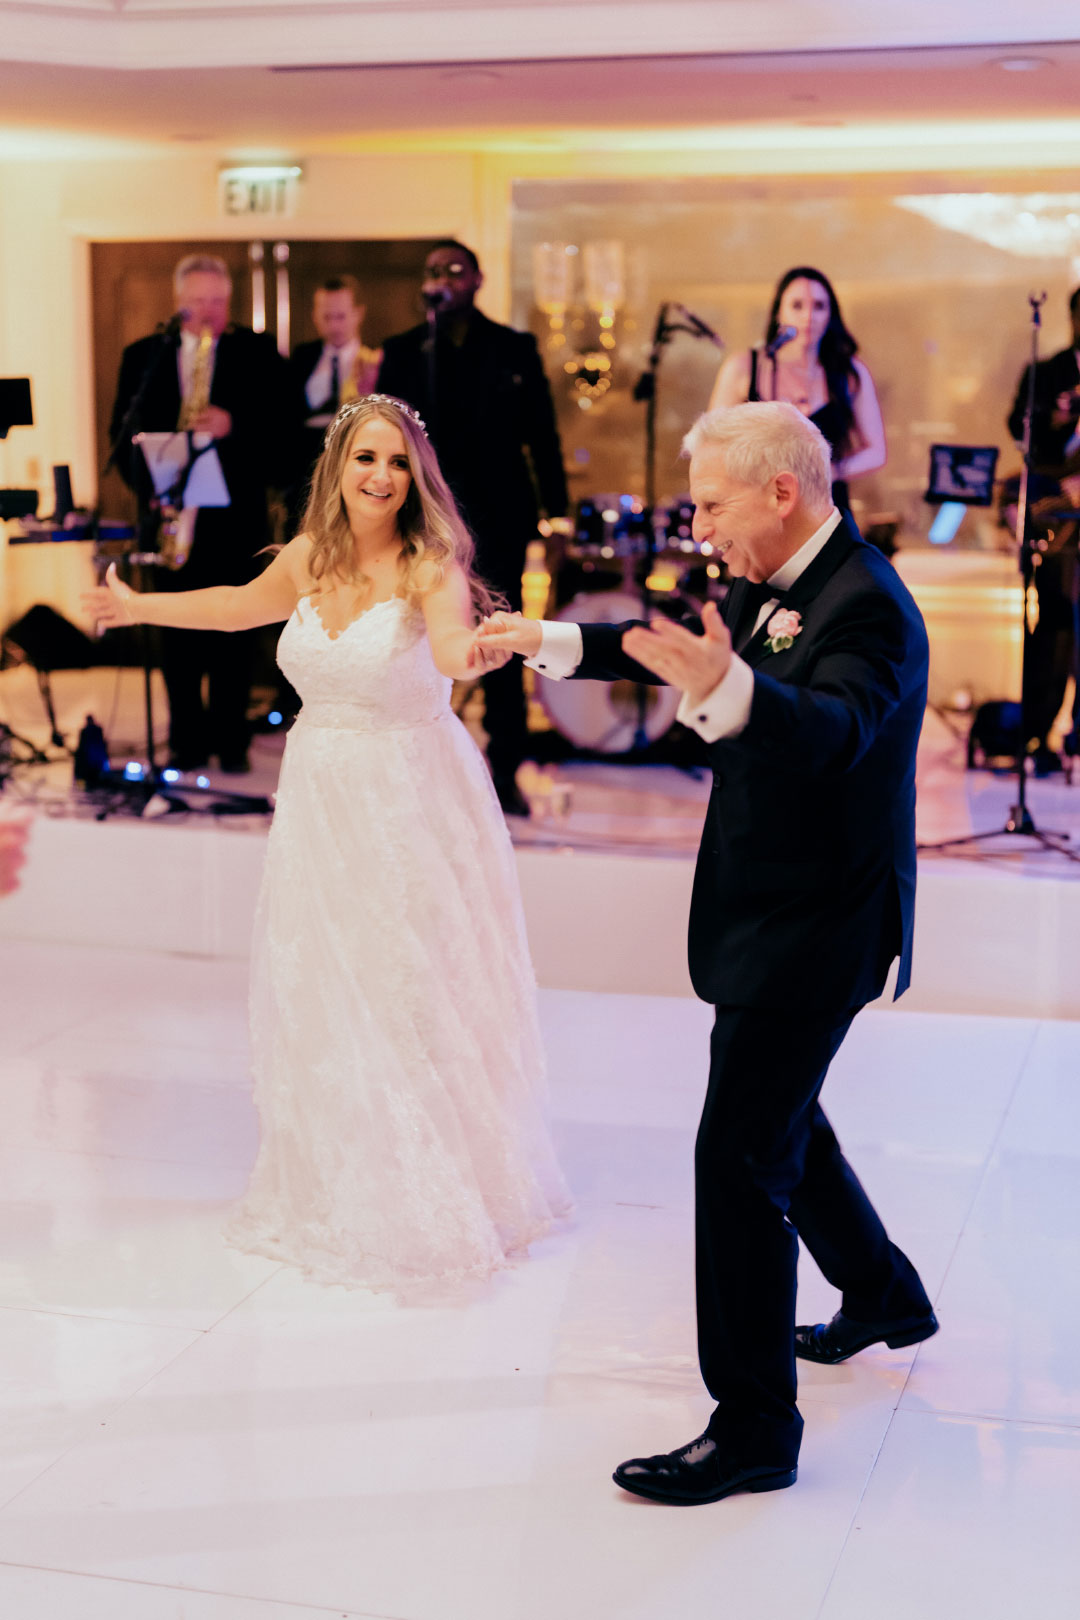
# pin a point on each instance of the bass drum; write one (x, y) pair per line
(604, 716)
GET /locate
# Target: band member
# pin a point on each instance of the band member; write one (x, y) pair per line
(329, 372)
(1050, 654)
(225, 386)
(809, 359)
(482, 390)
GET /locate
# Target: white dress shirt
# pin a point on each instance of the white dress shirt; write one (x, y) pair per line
(726, 710)
(318, 386)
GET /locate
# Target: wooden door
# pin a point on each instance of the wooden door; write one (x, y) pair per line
(131, 291)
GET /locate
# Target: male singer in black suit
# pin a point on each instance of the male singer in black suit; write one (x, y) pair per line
(1055, 441)
(327, 372)
(245, 422)
(482, 391)
(804, 894)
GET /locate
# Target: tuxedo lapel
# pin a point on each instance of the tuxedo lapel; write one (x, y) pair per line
(836, 549)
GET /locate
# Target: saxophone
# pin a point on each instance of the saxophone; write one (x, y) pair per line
(177, 527)
(198, 395)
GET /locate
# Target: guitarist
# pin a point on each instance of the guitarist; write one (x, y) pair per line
(1055, 490)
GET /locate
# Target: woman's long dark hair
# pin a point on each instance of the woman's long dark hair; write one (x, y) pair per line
(836, 351)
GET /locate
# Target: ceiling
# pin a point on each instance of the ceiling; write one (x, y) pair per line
(137, 34)
(293, 108)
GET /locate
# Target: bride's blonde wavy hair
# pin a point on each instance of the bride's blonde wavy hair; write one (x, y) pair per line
(433, 532)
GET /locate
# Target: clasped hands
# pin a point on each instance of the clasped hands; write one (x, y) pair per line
(693, 664)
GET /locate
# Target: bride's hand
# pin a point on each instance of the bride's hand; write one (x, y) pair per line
(482, 659)
(111, 604)
(512, 633)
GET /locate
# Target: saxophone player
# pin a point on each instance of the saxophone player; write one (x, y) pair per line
(226, 386)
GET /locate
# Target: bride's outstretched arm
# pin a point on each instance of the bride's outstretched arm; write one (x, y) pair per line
(266, 600)
(448, 614)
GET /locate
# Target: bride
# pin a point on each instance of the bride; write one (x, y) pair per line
(396, 1053)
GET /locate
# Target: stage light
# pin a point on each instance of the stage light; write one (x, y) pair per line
(202, 781)
(133, 771)
(274, 718)
(170, 776)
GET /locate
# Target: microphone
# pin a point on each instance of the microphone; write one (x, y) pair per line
(784, 334)
(171, 328)
(435, 298)
(702, 328)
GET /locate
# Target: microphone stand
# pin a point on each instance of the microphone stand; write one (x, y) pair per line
(168, 334)
(1020, 822)
(646, 390)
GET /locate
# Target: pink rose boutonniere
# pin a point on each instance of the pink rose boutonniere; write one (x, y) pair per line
(783, 627)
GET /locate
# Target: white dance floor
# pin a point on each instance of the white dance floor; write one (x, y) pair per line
(196, 1435)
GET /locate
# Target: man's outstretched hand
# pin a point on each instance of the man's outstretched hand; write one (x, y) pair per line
(511, 633)
(694, 664)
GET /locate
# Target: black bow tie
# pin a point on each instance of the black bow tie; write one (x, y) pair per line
(757, 595)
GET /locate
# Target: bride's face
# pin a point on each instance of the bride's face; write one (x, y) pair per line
(376, 476)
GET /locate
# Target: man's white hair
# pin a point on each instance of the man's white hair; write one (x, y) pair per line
(206, 262)
(758, 440)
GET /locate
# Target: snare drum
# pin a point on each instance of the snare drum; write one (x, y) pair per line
(601, 715)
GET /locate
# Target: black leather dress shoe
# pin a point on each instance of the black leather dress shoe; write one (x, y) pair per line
(510, 796)
(699, 1472)
(832, 1342)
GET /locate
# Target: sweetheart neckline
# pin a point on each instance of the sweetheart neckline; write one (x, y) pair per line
(337, 635)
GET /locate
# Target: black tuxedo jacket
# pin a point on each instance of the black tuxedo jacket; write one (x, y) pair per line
(493, 427)
(805, 882)
(250, 383)
(1054, 376)
(306, 443)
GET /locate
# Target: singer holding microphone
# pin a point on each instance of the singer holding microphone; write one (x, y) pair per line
(809, 359)
(482, 391)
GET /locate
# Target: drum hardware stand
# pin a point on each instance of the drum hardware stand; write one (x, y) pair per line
(646, 389)
(1020, 823)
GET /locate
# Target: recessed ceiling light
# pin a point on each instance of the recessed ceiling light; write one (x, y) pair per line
(471, 75)
(1021, 64)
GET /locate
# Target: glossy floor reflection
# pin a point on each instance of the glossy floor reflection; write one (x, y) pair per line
(192, 1434)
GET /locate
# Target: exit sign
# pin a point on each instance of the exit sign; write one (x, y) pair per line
(263, 192)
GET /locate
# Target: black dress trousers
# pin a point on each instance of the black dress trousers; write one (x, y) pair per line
(769, 1171)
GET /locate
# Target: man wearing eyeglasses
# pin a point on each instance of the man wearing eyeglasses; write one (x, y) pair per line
(481, 389)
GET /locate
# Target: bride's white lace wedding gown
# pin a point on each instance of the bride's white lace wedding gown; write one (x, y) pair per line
(399, 1077)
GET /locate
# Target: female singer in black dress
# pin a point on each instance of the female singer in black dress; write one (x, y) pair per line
(815, 370)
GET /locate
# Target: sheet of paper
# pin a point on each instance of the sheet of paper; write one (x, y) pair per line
(166, 456)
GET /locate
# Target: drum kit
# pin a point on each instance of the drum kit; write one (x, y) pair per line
(624, 562)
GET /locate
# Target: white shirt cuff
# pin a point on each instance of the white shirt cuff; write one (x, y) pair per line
(561, 650)
(726, 710)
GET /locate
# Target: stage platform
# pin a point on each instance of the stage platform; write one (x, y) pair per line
(609, 850)
(197, 1434)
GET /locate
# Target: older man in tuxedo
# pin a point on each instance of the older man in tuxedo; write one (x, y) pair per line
(809, 694)
(245, 420)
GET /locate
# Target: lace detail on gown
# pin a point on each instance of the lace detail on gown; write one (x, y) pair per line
(397, 1060)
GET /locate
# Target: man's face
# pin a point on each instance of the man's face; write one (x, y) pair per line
(744, 523)
(337, 316)
(206, 296)
(451, 275)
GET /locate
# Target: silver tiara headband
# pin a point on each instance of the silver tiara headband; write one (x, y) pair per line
(347, 412)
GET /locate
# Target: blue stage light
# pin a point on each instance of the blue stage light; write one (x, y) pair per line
(133, 771)
(274, 718)
(170, 776)
(202, 781)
